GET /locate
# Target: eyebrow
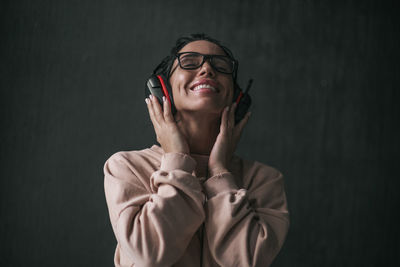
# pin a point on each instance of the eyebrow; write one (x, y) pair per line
(225, 55)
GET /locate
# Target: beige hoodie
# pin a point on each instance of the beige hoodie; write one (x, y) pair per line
(165, 212)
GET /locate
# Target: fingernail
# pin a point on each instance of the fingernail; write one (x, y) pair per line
(164, 98)
(151, 97)
(147, 100)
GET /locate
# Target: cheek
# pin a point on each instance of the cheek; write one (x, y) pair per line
(174, 83)
(179, 81)
(230, 90)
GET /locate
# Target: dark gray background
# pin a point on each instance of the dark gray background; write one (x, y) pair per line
(326, 90)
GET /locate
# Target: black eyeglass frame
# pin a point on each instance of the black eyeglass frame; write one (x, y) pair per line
(205, 57)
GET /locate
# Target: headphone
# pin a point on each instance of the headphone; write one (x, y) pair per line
(158, 85)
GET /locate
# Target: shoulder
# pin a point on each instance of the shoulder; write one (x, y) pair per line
(265, 185)
(138, 163)
(256, 173)
(256, 167)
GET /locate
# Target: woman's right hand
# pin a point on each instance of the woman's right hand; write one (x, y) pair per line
(168, 134)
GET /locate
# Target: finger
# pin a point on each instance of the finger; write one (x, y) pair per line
(158, 113)
(240, 126)
(224, 120)
(151, 111)
(167, 110)
(232, 110)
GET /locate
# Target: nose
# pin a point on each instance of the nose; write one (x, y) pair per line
(206, 69)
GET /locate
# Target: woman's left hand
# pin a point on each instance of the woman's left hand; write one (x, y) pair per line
(226, 141)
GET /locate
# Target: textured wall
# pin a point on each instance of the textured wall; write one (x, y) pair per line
(326, 91)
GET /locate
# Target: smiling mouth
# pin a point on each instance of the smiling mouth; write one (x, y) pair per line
(204, 86)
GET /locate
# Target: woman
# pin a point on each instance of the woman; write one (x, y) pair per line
(191, 201)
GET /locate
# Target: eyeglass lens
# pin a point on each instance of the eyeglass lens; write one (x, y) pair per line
(193, 61)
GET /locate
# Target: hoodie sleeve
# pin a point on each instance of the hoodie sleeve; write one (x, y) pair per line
(153, 223)
(246, 227)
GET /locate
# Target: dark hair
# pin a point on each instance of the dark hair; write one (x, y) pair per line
(166, 64)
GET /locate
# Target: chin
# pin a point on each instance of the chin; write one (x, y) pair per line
(208, 103)
(204, 106)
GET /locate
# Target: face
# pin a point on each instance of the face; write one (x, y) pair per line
(191, 88)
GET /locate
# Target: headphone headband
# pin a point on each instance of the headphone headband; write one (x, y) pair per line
(163, 66)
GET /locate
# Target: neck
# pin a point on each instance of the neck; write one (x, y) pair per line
(200, 130)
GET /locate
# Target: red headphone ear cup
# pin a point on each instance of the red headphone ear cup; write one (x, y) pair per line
(158, 86)
(242, 107)
(243, 101)
(236, 93)
(154, 87)
(167, 91)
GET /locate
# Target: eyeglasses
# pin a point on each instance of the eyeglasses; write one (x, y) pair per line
(193, 60)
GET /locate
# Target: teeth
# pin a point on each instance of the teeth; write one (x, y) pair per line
(204, 86)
